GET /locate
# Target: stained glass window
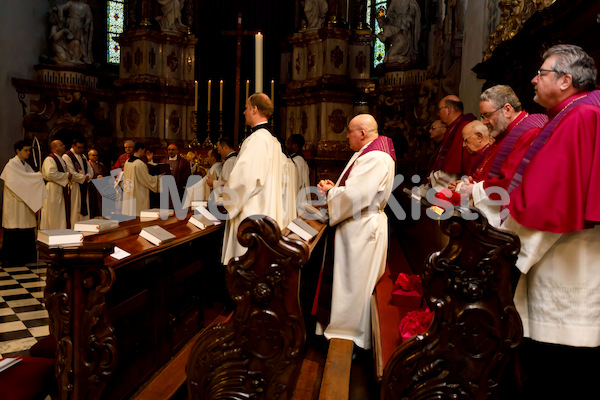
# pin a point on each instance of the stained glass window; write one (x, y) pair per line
(373, 8)
(115, 19)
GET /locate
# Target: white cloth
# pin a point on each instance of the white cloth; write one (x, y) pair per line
(257, 182)
(77, 178)
(558, 297)
(491, 208)
(137, 182)
(53, 215)
(290, 191)
(225, 172)
(361, 241)
(303, 178)
(200, 190)
(440, 179)
(24, 193)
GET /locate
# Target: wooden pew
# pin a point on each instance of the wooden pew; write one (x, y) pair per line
(475, 328)
(117, 322)
(258, 353)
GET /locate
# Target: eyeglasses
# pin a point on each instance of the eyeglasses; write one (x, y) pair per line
(441, 108)
(539, 71)
(468, 137)
(488, 115)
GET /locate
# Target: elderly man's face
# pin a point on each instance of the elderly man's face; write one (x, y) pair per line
(546, 85)
(172, 150)
(93, 156)
(472, 140)
(128, 147)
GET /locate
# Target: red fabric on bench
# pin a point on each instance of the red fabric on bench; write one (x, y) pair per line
(30, 379)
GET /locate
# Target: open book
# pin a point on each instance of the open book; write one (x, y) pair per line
(156, 235)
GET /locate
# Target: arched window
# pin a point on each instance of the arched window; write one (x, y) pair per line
(373, 7)
(115, 23)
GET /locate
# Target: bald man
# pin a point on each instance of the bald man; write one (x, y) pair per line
(128, 145)
(255, 185)
(356, 203)
(453, 159)
(56, 208)
(476, 139)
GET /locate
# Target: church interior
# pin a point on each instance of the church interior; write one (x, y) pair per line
(159, 324)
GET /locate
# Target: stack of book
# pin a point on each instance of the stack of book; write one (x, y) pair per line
(60, 237)
(156, 213)
(156, 235)
(96, 225)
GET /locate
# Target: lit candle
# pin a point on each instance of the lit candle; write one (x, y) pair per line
(258, 62)
(196, 96)
(247, 89)
(273, 91)
(209, 85)
(221, 95)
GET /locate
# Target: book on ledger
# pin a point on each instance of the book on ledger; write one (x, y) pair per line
(156, 235)
(96, 225)
(56, 237)
(200, 221)
(204, 211)
(302, 229)
(155, 213)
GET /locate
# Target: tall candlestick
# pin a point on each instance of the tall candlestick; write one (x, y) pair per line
(247, 89)
(209, 85)
(258, 62)
(196, 96)
(273, 91)
(221, 95)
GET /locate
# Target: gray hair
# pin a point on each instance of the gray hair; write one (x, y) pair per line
(499, 95)
(572, 60)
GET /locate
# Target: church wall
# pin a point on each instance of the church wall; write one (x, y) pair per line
(23, 31)
(474, 45)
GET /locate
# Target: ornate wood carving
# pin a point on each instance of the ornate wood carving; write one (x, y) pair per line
(337, 56)
(77, 281)
(476, 326)
(257, 353)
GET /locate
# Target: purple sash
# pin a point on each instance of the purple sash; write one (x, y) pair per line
(65, 190)
(592, 98)
(382, 143)
(83, 187)
(529, 122)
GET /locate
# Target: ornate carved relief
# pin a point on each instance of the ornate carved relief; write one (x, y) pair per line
(338, 121)
(257, 353)
(139, 57)
(173, 61)
(298, 63)
(337, 56)
(360, 62)
(468, 285)
(310, 60)
(304, 122)
(152, 120)
(133, 119)
(152, 58)
(174, 122)
(189, 63)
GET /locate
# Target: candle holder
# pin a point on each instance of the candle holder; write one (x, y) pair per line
(194, 143)
(207, 143)
(220, 125)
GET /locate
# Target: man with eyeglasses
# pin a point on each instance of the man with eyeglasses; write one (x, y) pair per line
(81, 174)
(512, 131)
(555, 210)
(453, 159)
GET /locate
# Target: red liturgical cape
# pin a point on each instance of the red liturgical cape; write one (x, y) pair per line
(560, 189)
(453, 158)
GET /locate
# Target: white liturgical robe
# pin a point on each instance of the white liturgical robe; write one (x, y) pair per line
(200, 190)
(24, 193)
(228, 165)
(361, 241)
(303, 178)
(290, 191)
(53, 214)
(137, 182)
(77, 178)
(255, 187)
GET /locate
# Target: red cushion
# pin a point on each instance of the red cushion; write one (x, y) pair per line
(30, 379)
(45, 347)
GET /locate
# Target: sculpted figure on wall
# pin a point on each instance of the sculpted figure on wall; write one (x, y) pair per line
(171, 18)
(401, 30)
(315, 11)
(71, 33)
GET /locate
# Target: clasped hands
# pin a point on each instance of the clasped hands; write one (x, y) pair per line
(324, 187)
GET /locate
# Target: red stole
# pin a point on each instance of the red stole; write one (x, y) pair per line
(382, 143)
(83, 187)
(453, 158)
(560, 189)
(477, 160)
(65, 190)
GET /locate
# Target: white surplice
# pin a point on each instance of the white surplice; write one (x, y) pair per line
(53, 215)
(255, 187)
(303, 179)
(137, 182)
(200, 190)
(558, 295)
(24, 193)
(290, 191)
(77, 178)
(361, 241)
(228, 165)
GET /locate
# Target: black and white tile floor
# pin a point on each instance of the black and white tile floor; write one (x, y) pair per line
(23, 317)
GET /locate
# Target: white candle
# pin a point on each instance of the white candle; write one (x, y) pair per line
(196, 96)
(221, 95)
(209, 85)
(273, 91)
(247, 89)
(258, 62)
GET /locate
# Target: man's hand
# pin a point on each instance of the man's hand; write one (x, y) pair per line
(325, 185)
(209, 181)
(452, 185)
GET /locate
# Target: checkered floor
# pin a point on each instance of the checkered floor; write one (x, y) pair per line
(23, 317)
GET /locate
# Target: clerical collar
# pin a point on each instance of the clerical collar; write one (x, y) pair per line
(260, 125)
(173, 158)
(232, 154)
(133, 158)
